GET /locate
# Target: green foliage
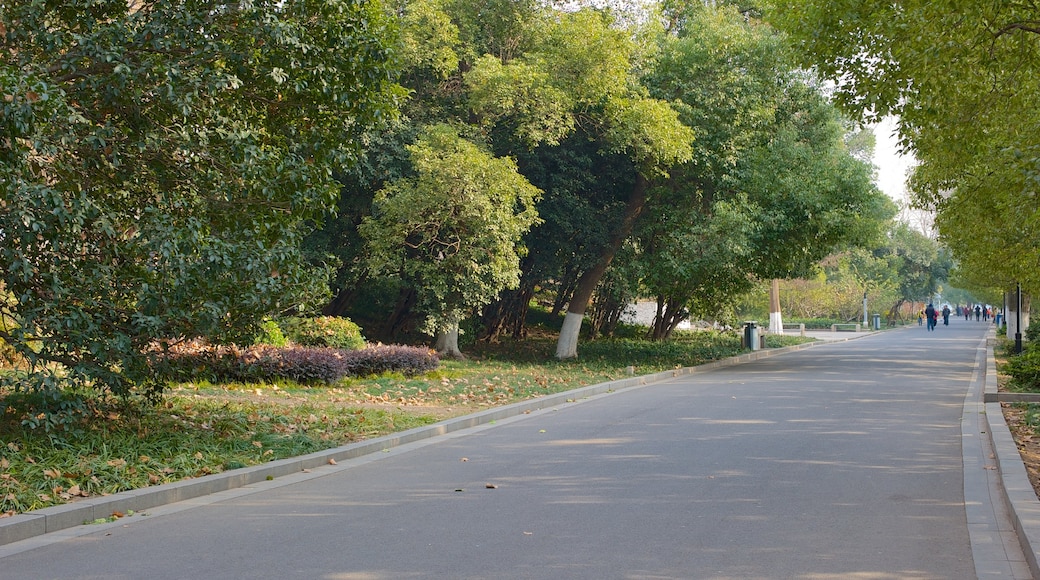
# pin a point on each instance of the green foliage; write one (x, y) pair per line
(1032, 333)
(152, 192)
(1024, 369)
(452, 232)
(958, 116)
(271, 335)
(325, 331)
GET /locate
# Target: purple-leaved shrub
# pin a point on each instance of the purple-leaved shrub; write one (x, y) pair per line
(194, 360)
(407, 360)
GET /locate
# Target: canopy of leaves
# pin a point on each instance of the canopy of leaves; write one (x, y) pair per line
(963, 79)
(160, 160)
(452, 231)
(772, 187)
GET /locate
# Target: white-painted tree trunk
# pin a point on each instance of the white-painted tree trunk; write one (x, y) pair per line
(447, 343)
(1012, 321)
(567, 346)
(776, 321)
(1013, 315)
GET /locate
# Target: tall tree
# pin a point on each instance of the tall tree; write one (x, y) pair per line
(452, 231)
(772, 184)
(161, 160)
(966, 105)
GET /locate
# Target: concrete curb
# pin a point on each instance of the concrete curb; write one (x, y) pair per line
(1018, 494)
(56, 518)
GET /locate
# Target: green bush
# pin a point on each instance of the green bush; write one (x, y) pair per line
(1033, 330)
(271, 335)
(1024, 370)
(327, 331)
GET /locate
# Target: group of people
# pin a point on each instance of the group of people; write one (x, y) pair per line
(931, 315)
(980, 312)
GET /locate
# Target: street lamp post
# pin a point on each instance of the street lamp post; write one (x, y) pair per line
(1018, 318)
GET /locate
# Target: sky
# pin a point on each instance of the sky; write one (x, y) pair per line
(892, 167)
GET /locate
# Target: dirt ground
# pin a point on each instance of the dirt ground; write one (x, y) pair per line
(1028, 443)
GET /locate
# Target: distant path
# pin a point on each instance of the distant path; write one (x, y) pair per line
(833, 462)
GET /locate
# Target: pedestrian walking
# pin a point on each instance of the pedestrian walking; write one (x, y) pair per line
(946, 315)
(931, 315)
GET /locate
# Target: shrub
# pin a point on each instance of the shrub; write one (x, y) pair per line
(194, 360)
(271, 334)
(298, 363)
(407, 360)
(1024, 369)
(327, 331)
(1032, 333)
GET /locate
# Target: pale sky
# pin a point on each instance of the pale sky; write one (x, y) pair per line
(892, 167)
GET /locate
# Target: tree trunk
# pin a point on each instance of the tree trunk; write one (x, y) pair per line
(447, 343)
(565, 290)
(1014, 317)
(567, 347)
(508, 314)
(402, 311)
(776, 320)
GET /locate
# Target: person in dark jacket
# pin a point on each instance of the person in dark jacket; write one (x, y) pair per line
(931, 315)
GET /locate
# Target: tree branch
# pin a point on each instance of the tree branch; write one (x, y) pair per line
(1032, 26)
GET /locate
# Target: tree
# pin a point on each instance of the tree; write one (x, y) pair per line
(772, 188)
(161, 161)
(451, 232)
(962, 102)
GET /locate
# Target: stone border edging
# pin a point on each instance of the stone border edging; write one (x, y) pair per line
(55, 518)
(1018, 492)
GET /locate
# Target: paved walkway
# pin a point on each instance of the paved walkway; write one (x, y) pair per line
(867, 458)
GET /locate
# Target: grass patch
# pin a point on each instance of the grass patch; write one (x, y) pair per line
(202, 428)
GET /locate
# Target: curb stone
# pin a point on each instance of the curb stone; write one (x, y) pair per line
(1018, 493)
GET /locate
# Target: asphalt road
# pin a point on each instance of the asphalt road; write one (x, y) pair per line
(842, 461)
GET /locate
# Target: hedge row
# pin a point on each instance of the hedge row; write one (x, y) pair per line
(195, 360)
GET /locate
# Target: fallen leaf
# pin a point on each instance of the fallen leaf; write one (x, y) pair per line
(332, 461)
(490, 486)
(116, 462)
(464, 459)
(118, 515)
(75, 490)
(52, 473)
(528, 533)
